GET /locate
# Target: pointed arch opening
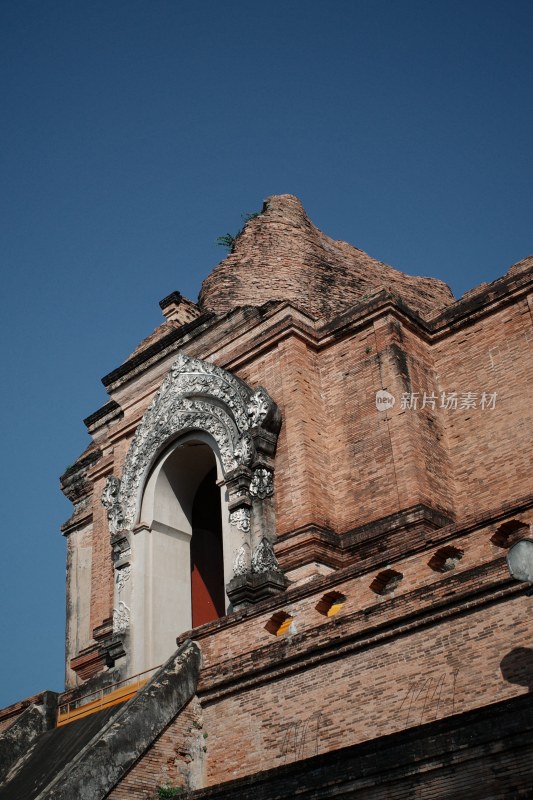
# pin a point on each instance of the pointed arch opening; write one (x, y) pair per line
(205, 444)
(182, 547)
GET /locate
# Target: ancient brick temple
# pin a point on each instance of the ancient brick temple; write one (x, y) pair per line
(287, 557)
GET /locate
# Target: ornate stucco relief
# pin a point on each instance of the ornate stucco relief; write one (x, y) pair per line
(195, 395)
(122, 577)
(121, 618)
(262, 483)
(241, 561)
(240, 518)
(258, 407)
(245, 451)
(264, 558)
(111, 502)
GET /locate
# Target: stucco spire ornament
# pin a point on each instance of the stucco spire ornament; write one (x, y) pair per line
(264, 558)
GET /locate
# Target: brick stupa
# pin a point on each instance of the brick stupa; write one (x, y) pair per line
(281, 255)
(286, 558)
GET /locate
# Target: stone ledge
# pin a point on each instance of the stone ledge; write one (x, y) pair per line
(111, 410)
(338, 550)
(248, 589)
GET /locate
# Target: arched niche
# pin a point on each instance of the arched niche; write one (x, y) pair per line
(182, 549)
(202, 421)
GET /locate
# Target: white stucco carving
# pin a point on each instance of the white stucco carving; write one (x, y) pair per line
(111, 502)
(258, 407)
(241, 562)
(263, 557)
(121, 618)
(262, 483)
(122, 577)
(110, 492)
(245, 450)
(195, 395)
(240, 518)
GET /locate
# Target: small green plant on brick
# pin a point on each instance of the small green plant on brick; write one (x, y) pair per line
(228, 240)
(168, 791)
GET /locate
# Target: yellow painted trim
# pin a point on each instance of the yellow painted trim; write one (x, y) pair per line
(106, 701)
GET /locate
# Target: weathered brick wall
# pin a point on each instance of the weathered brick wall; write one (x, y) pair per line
(402, 683)
(490, 449)
(290, 372)
(248, 633)
(383, 462)
(79, 583)
(102, 564)
(372, 464)
(440, 645)
(485, 753)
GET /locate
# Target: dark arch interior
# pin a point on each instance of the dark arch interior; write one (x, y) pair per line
(207, 567)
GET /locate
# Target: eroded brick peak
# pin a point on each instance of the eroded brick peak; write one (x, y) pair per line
(281, 255)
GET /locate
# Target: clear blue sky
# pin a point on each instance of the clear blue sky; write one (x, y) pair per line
(135, 132)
